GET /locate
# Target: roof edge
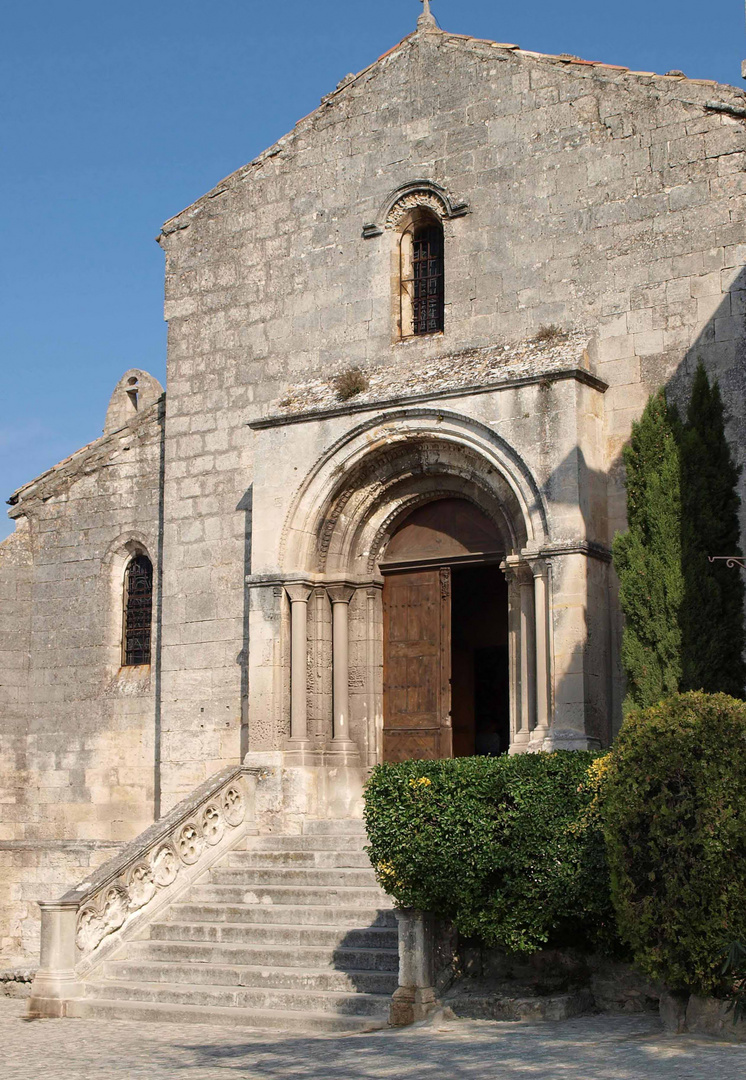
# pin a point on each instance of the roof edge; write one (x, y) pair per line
(182, 219)
(33, 489)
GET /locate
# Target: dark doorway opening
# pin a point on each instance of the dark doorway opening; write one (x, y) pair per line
(480, 699)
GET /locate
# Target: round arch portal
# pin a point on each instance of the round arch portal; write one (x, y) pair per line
(353, 499)
(345, 517)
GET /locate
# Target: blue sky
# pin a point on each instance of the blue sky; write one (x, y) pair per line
(116, 116)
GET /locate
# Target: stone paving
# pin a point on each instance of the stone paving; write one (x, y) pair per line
(589, 1048)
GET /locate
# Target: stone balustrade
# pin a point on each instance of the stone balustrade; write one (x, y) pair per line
(85, 925)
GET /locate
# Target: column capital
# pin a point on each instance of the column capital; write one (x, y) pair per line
(299, 592)
(517, 570)
(340, 594)
(538, 564)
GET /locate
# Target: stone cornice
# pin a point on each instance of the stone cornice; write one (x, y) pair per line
(577, 374)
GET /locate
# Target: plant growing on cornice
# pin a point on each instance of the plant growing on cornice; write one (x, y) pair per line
(350, 382)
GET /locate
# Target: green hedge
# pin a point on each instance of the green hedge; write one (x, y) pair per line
(674, 813)
(509, 849)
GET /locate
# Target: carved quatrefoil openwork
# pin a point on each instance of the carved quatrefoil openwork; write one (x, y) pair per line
(140, 882)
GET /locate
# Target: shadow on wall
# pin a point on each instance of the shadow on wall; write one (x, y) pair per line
(246, 506)
(721, 348)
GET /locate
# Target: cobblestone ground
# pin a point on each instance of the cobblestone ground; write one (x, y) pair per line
(590, 1048)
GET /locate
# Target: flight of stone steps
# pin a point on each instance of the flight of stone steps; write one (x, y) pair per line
(289, 933)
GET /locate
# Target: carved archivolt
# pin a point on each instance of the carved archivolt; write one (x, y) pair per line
(410, 196)
(414, 201)
(391, 480)
(355, 493)
(157, 869)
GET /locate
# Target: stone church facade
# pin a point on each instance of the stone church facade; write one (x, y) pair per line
(514, 250)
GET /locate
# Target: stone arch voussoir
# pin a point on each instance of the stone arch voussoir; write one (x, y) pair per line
(357, 493)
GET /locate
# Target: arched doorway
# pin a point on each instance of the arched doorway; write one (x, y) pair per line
(445, 635)
(359, 519)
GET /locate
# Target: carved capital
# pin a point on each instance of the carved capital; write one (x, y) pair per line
(340, 594)
(517, 571)
(298, 594)
(539, 568)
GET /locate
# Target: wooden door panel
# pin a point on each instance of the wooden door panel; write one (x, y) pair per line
(402, 746)
(416, 617)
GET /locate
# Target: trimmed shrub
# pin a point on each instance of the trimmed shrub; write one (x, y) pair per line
(508, 849)
(673, 810)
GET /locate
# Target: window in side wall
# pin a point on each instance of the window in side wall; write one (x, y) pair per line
(138, 611)
(422, 270)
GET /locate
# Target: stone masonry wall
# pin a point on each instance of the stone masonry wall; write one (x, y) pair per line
(605, 201)
(77, 731)
(600, 199)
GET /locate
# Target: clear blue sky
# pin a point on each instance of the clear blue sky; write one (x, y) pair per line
(116, 116)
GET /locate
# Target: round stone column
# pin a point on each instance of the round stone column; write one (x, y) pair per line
(340, 596)
(298, 595)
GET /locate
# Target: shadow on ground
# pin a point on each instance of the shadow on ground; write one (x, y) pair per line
(588, 1049)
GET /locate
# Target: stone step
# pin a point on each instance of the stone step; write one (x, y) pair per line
(508, 1004)
(102, 1008)
(288, 894)
(285, 914)
(284, 933)
(278, 978)
(303, 842)
(308, 956)
(283, 875)
(298, 859)
(334, 827)
(262, 999)
(331, 936)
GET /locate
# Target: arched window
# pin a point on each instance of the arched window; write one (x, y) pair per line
(422, 275)
(138, 611)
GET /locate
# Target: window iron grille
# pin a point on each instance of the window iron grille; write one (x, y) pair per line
(428, 292)
(138, 611)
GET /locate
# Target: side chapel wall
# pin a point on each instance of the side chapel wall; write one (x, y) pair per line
(77, 731)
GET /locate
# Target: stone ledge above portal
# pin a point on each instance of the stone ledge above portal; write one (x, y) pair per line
(479, 371)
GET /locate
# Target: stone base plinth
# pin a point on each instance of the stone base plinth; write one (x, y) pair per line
(409, 1004)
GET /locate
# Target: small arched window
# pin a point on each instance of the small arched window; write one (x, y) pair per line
(138, 611)
(422, 275)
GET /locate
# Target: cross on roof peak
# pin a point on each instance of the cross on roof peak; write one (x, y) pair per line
(427, 18)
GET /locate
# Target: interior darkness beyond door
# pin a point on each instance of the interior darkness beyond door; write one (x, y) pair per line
(479, 661)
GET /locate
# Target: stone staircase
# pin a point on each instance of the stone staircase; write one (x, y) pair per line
(287, 932)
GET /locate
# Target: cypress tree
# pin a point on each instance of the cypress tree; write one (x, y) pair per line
(648, 557)
(712, 613)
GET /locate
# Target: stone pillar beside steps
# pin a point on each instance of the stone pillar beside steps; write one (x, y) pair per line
(414, 999)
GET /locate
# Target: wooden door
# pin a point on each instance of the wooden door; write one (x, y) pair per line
(417, 664)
